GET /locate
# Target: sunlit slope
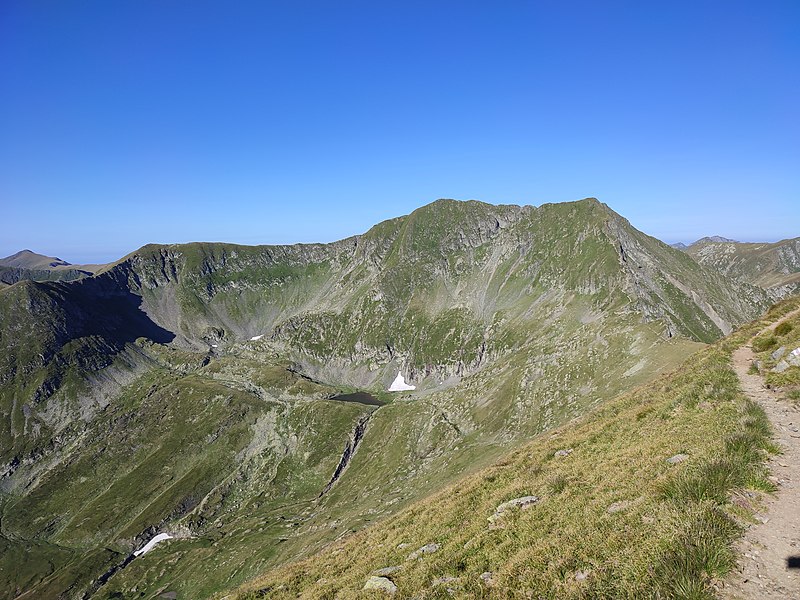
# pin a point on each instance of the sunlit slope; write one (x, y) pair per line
(775, 267)
(134, 401)
(635, 499)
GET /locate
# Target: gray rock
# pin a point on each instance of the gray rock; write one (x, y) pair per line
(793, 360)
(563, 453)
(426, 549)
(618, 506)
(674, 460)
(488, 578)
(781, 367)
(521, 503)
(386, 571)
(381, 583)
(778, 353)
(581, 575)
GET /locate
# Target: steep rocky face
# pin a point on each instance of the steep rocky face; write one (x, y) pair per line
(135, 401)
(423, 286)
(774, 267)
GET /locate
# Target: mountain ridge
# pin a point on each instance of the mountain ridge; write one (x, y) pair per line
(508, 320)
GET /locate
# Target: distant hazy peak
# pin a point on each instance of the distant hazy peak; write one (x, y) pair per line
(714, 238)
(27, 259)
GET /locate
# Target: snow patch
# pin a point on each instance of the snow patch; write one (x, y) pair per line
(255, 338)
(399, 384)
(149, 545)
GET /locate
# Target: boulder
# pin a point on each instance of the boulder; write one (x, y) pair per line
(386, 571)
(382, 584)
(781, 367)
(674, 460)
(618, 506)
(426, 549)
(778, 353)
(521, 503)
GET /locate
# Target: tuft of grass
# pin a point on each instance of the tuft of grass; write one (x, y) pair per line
(557, 484)
(764, 342)
(703, 552)
(783, 328)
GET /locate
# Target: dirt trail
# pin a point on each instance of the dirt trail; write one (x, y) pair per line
(769, 552)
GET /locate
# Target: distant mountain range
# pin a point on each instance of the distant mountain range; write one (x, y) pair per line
(194, 389)
(28, 265)
(772, 266)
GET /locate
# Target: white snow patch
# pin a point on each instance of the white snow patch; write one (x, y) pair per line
(255, 338)
(213, 345)
(149, 545)
(399, 384)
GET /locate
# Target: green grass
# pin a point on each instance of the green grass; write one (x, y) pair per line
(671, 538)
(764, 342)
(787, 336)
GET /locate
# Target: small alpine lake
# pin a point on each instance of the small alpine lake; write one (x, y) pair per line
(358, 397)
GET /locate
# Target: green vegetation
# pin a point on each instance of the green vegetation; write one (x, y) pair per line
(614, 519)
(781, 369)
(764, 342)
(136, 402)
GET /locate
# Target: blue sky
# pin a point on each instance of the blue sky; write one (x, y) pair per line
(123, 123)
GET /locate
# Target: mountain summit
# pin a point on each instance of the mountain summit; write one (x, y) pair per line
(27, 259)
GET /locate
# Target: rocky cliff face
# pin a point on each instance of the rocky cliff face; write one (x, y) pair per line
(136, 402)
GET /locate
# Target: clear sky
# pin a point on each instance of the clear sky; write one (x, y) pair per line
(128, 122)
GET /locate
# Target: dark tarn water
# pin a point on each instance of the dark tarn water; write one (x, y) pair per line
(360, 397)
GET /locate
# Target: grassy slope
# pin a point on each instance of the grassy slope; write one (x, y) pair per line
(786, 336)
(671, 538)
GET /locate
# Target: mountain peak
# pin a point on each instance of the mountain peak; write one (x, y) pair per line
(28, 259)
(715, 238)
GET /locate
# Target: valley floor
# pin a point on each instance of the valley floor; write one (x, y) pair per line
(764, 570)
